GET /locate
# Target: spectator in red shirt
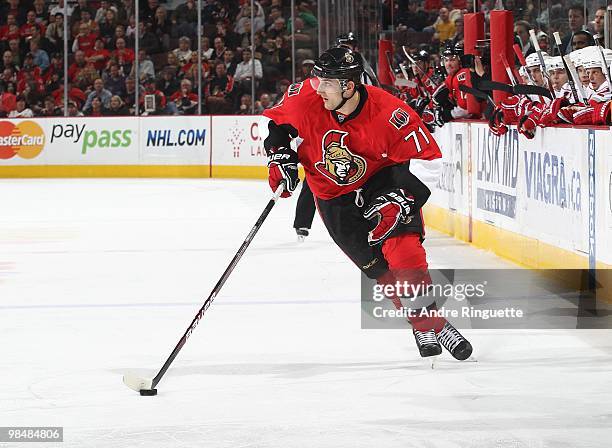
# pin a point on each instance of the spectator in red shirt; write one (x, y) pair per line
(15, 9)
(26, 28)
(98, 56)
(85, 40)
(77, 66)
(185, 101)
(123, 56)
(4, 29)
(85, 19)
(160, 100)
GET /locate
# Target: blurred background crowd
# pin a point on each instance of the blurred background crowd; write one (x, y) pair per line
(171, 57)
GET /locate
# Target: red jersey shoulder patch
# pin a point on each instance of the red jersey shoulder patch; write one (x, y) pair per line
(399, 118)
(339, 164)
(294, 89)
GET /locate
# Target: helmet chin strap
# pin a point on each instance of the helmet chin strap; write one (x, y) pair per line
(344, 100)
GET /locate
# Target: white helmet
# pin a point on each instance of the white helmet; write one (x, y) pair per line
(592, 58)
(534, 61)
(577, 57)
(554, 63)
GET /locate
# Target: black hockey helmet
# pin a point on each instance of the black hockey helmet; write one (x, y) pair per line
(451, 50)
(347, 39)
(339, 63)
(422, 55)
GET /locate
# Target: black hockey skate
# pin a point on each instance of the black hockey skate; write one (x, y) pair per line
(427, 343)
(454, 342)
(302, 233)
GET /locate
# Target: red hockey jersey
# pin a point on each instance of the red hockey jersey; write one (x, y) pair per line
(339, 156)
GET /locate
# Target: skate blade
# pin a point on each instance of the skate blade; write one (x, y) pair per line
(301, 238)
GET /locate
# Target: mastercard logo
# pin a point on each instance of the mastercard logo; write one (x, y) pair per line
(25, 139)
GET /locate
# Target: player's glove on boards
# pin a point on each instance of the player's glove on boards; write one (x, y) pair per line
(390, 208)
(282, 167)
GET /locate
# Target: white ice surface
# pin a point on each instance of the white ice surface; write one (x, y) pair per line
(101, 277)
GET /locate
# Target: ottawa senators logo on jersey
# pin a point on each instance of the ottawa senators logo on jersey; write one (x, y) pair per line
(294, 89)
(339, 164)
(399, 118)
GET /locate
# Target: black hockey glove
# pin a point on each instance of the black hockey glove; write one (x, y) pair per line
(390, 208)
(278, 137)
(418, 104)
(282, 167)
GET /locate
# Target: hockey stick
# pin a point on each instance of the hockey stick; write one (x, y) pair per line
(605, 69)
(572, 75)
(536, 45)
(508, 70)
(146, 386)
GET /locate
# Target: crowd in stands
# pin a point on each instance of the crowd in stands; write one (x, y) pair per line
(543, 88)
(102, 74)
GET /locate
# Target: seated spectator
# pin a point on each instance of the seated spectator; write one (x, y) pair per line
(162, 27)
(8, 101)
(16, 51)
(29, 67)
(100, 16)
(10, 30)
(148, 40)
(186, 17)
(55, 32)
(148, 9)
(77, 66)
(207, 51)
(7, 62)
(304, 12)
(304, 40)
(244, 70)
(230, 62)
(219, 95)
(77, 13)
(172, 62)
(85, 20)
(109, 25)
(190, 70)
(244, 17)
(85, 40)
(98, 92)
(123, 56)
(98, 56)
(50, 109)
(119, 34)
(54, 9)
(168, 82)
(245, 105)
(413, 18)
(264, 102)
(41, 58)
(146, 69)
(278, 28)
(218, 48)
(17, 9)
(114, 81)
(230, 39)
(185, 101)
(444, 28)
(75, 95)
(117, 107)
(159, 101)
(22, 109)
(73, 110)
(130, 94)
(96, 108)
(183, 52)
(27, 29)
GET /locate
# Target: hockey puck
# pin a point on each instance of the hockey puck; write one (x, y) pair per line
(148, 392)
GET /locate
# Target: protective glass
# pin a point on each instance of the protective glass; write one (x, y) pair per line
(326, 85)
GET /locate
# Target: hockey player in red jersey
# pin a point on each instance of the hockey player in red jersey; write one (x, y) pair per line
(357, 144)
